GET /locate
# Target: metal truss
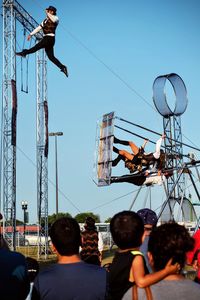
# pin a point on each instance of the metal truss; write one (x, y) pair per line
(9, 150)
(42, 161)
(12, 12)
(174, 153)
(172, 129)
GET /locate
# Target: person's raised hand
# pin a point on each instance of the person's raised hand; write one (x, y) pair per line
(172, 268)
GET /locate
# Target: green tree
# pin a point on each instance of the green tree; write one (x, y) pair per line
(80, 218)
(19, 222)
(52, 218)
(108, 220)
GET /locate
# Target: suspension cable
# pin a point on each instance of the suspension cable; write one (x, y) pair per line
(140, 136)
(152, 131)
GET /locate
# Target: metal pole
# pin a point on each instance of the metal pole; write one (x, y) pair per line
(56, 170)
(24, 208)
(24, 225)
(55, 134)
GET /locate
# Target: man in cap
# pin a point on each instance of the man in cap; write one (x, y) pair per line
(150, 220)
(47, 42)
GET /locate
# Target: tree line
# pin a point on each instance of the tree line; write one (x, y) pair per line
(80, 218)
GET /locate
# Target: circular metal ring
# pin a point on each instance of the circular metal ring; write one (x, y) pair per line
(160, 99)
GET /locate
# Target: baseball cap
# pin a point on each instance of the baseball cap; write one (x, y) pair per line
(148, 216)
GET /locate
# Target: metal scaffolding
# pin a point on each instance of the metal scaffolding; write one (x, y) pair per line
(12, 12)
(174, 153)
(42, 160)
(9, 150)
(173, 140)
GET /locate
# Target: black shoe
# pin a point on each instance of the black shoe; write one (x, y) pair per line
(22, 54)
(117, 141)
(115, 150)
(116, 161)
(64, 70)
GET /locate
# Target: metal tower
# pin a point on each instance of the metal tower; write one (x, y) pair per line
(42, 153)
(172, 129)
(12, 12)
(9, 150)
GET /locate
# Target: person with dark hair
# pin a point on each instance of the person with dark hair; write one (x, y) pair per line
(166, 241)
(14, 280)
(33, 269)
(133, 161)
(128, 266)
(138, 158)
(70, 278)
(90, 238)
(48, 26)
(150, 220)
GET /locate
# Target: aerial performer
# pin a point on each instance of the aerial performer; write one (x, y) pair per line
(144, 178)
(47, 42)
(138, 158)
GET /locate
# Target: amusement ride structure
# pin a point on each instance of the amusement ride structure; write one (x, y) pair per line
(178, 163)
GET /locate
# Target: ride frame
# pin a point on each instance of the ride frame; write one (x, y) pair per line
(12, 12)
(176, 185)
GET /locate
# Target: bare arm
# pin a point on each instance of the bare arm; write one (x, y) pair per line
(142, 280)
(144, 144)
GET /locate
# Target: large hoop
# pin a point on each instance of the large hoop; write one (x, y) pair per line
(160, 99)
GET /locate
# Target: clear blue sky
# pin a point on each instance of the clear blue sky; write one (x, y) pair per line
(114, 50)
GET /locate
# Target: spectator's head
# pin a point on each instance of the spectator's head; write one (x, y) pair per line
(169, 240)
(89, 224)
(149, 218)
(32, 267)
(65, 236)
(127, 229)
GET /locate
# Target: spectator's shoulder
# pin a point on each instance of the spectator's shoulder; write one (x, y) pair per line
(96, 269)
(17, 255)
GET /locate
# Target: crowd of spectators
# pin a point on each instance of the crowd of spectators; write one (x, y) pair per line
(149, 260)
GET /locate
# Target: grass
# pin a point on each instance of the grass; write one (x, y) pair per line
(32, 251)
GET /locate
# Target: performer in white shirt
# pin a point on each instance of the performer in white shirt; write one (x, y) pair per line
(47, 42)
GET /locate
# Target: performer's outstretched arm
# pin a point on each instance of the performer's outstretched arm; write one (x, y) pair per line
(156, 154)
(145, 142)
(37, 29)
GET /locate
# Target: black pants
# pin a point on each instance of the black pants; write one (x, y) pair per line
(137, 179)
(47, 43)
